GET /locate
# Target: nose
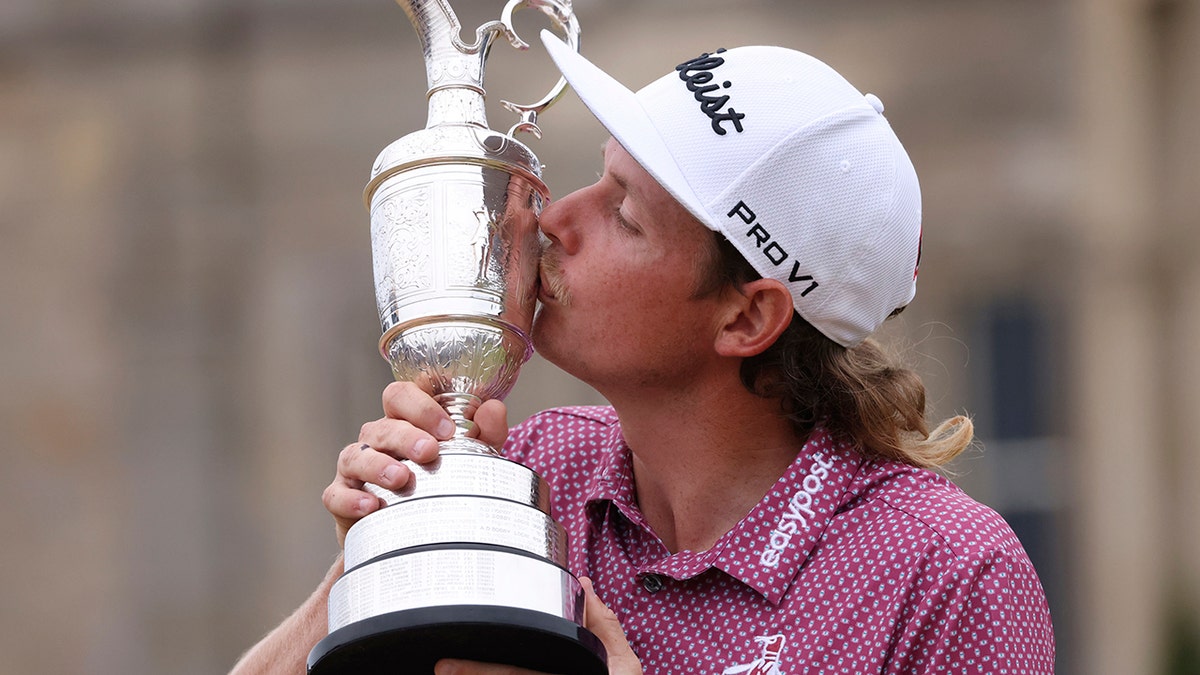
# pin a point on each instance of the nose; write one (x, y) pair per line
(559, 221)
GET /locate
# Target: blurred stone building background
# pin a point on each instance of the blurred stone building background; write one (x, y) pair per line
(187, 329)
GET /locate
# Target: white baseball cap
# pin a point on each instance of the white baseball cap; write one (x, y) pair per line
(794, 166)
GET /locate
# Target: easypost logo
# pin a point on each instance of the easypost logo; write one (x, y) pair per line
(800, 511)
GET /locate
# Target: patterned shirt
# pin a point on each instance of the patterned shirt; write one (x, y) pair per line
(846, 565)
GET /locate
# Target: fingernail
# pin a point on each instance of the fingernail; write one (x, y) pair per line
(364, 504)
(390, 473)
(425, 447)
(445, 429)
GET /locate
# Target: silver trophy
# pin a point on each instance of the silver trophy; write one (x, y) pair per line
(466, 561)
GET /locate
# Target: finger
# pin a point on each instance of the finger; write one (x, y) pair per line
(399, 439)
(604, 624)
(350, 511)
(409, 402)
(348, 504)
(361, 463)
(345, 499)
(491, 423)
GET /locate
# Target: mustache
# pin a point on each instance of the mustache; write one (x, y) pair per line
(552, 274)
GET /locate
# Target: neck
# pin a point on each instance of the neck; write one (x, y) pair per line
(703, 458)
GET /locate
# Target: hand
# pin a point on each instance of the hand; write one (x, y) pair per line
(599, 619)
(410, 428)
(603, 622)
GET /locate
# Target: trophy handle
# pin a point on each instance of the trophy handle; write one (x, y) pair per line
(563, 16)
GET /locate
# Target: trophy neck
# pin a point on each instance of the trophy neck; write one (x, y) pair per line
(450, 106)
(453, 69)
(461, 408)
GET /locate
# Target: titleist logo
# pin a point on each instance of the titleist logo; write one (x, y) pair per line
(697, 75)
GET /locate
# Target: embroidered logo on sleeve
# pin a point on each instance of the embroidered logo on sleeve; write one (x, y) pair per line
(768, 663)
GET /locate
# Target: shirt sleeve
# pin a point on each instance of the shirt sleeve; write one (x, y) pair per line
(983, 616)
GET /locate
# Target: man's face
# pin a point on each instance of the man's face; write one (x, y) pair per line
(619, 306)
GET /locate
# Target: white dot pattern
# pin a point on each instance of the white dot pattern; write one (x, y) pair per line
(881, 568)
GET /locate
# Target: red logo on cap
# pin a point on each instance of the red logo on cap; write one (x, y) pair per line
(920, 239)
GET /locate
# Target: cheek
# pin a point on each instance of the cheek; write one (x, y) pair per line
(627, 298)
(620, 285)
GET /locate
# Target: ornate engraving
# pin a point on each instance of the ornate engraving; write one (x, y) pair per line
(401, 232)
(474, 248)
(455, 105)
(465, 358)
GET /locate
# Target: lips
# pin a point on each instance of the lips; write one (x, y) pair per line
(544, 293)
(546, 286)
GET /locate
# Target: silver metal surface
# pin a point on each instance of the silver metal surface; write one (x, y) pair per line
(434, 578)
(457, 519)
(456, 263)
(470, 474)
(453, 65)
(455, 247)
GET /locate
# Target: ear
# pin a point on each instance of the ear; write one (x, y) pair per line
(757, 313)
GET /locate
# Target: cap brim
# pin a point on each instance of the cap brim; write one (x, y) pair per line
(618, 109)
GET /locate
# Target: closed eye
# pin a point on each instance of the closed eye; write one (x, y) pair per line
(626, 225)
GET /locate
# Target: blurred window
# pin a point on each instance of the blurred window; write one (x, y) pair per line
(1017, 385)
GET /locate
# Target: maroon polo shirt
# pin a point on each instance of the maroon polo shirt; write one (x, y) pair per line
(847, 565)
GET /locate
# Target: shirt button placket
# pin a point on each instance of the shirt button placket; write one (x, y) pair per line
(652, 583)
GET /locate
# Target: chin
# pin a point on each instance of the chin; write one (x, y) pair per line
(552, 350)
(537, 335)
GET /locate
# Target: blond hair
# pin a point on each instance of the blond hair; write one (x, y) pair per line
(860, 394)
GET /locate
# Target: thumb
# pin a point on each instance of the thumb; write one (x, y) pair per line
(491, 423)
(604, 624)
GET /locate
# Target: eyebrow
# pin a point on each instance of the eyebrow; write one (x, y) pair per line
(620, 180)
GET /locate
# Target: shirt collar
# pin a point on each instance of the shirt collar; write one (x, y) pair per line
(769, 546)
(613, 479)
(612, 484)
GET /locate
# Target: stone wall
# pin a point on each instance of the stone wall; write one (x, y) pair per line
(188, 322)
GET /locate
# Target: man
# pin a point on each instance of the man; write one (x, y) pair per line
(756, 499)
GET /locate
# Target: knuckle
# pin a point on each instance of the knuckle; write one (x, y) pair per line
(397, 391)
(391, 391)
(365, 431)
(345, 456)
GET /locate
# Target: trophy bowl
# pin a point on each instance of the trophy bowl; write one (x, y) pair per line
(466, 561)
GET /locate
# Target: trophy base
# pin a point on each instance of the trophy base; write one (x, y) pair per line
(413, 640)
